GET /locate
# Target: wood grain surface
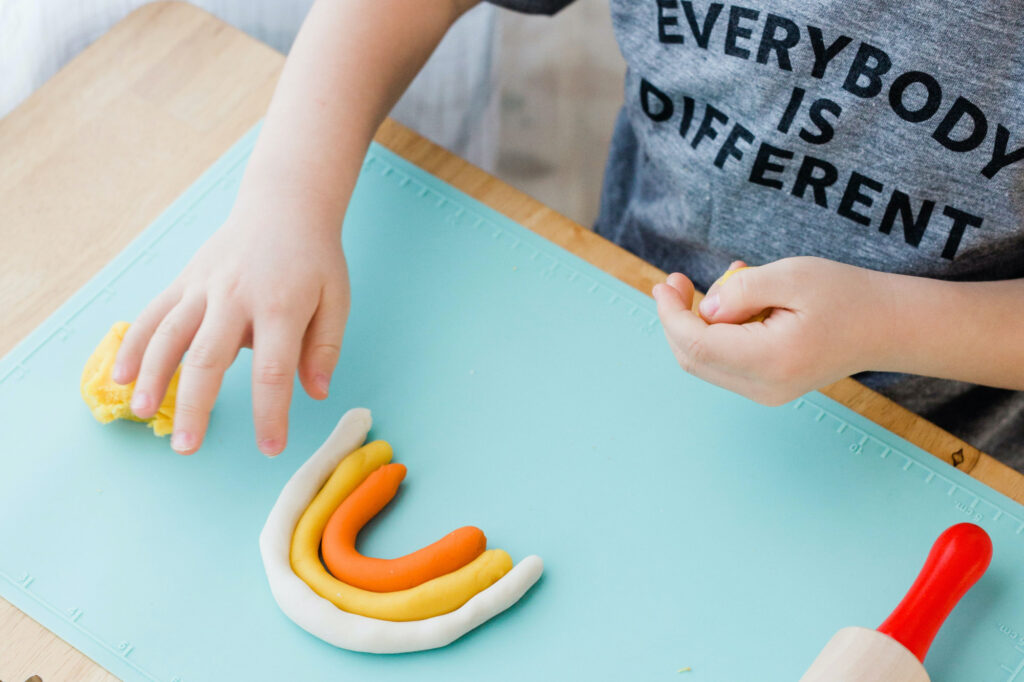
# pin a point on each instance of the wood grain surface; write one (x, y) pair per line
(97, 153)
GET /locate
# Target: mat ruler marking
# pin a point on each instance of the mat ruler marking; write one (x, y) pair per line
(72, 616)
(386, 163)
(964, 501)
(17, 370)
(185, 215)
(1013, 674)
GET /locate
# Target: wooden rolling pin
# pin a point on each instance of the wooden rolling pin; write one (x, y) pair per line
(895, 651)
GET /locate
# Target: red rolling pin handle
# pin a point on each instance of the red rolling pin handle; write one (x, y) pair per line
(957, 560)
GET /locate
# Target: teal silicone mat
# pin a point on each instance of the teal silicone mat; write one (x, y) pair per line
(529, 394)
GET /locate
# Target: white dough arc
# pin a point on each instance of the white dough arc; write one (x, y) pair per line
(350, 631)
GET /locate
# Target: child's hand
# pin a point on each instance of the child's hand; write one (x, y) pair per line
(827, 321)
(274, 275)
(266, 283)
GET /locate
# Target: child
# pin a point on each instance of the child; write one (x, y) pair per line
(866, 156)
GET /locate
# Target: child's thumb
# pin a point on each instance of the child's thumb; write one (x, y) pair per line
(742, 295)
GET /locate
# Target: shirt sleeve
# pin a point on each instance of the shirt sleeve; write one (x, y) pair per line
(533, 6)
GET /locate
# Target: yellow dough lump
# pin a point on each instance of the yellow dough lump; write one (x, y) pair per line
(109, 400)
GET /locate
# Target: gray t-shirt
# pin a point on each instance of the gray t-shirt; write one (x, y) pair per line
(888, 135)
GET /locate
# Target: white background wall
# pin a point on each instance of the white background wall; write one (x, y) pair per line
(453, 101)
(532, 99)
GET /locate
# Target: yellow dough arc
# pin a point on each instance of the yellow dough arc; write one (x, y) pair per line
(433, 598)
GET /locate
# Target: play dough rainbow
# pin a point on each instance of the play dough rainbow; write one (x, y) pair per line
(433, 598)
(427, 616)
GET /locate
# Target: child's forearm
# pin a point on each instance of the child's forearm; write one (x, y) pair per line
(969, 331)
(350, 63)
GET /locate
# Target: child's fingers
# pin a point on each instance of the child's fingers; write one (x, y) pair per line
(668, 299)
(715, 353)
(212, 351)
(686, 333)
(740, 351)
(160, 359)
(683, 285)
(129, 355)
(683, 329)
(744, 359)
(322, 342)
(674, 295)
(277, 342)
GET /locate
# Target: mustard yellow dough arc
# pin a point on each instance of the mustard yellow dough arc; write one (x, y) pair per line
(432, 598)
(109, 400)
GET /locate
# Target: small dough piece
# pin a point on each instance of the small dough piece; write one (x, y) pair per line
(433, 598)
(345, 563)
(320, 617)
(109, 400)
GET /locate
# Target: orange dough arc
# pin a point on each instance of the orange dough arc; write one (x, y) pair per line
(345, 563)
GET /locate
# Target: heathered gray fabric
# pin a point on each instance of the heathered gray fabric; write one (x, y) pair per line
(886, 134)
(534, 6)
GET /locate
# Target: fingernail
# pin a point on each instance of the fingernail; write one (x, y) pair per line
(182, 442)
(709, 306)
(117, 374)
(268, 446)
(140, 401)
(322, 381)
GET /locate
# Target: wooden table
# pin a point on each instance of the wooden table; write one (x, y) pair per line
(97, 153)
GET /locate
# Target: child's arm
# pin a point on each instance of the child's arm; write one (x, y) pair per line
(273, 276)
(831, 320)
